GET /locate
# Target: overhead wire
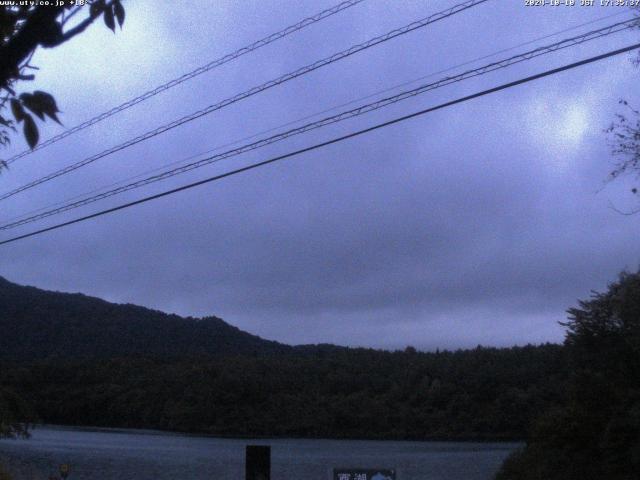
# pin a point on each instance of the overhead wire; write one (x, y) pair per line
(253, 91)
(188, 76)
(366, 108)
(329, 142)
(313, 115)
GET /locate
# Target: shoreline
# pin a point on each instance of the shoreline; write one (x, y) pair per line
(160, 432)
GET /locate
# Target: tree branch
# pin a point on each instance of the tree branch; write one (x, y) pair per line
(81, 27)
(38, 28)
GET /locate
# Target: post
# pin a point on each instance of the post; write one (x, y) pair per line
(258, 462)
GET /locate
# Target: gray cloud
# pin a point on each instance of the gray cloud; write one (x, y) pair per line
(476, 224)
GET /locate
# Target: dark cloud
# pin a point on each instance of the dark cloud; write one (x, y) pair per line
(476, 224)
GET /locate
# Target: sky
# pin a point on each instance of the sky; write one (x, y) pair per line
(481, 223)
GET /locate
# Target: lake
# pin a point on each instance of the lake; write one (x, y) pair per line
(107, 454)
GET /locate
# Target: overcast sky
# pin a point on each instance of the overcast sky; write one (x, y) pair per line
(477, 224)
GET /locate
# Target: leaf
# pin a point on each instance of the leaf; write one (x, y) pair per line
(18, 111)
(51, 35)
(48, 104)
(108, 19)
(54, 117)
(31, 102)
(118, 9)
(41, 103)
(30, 131)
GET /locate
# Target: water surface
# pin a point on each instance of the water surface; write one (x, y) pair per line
(148, 455)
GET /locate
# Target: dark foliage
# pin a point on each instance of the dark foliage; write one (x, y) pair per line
(355, 393)
(596, 432)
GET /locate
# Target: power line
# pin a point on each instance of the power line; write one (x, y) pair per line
(569, 42)
(329, 142)
(194, 73)
(253, 91)
(307, 117)
(334, 119)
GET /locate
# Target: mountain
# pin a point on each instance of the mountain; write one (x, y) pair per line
(37, 324)
(75, 360)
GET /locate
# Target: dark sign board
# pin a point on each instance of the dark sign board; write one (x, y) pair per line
(364, 474)
(258, 462)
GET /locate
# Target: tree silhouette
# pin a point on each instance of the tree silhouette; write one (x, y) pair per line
(624, 134)
(596, 432)
(24, 28)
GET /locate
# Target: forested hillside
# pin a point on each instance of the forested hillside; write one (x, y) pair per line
(78, 360)
(481, 393)
(37, 324)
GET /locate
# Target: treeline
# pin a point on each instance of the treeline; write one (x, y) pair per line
(484, 393)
